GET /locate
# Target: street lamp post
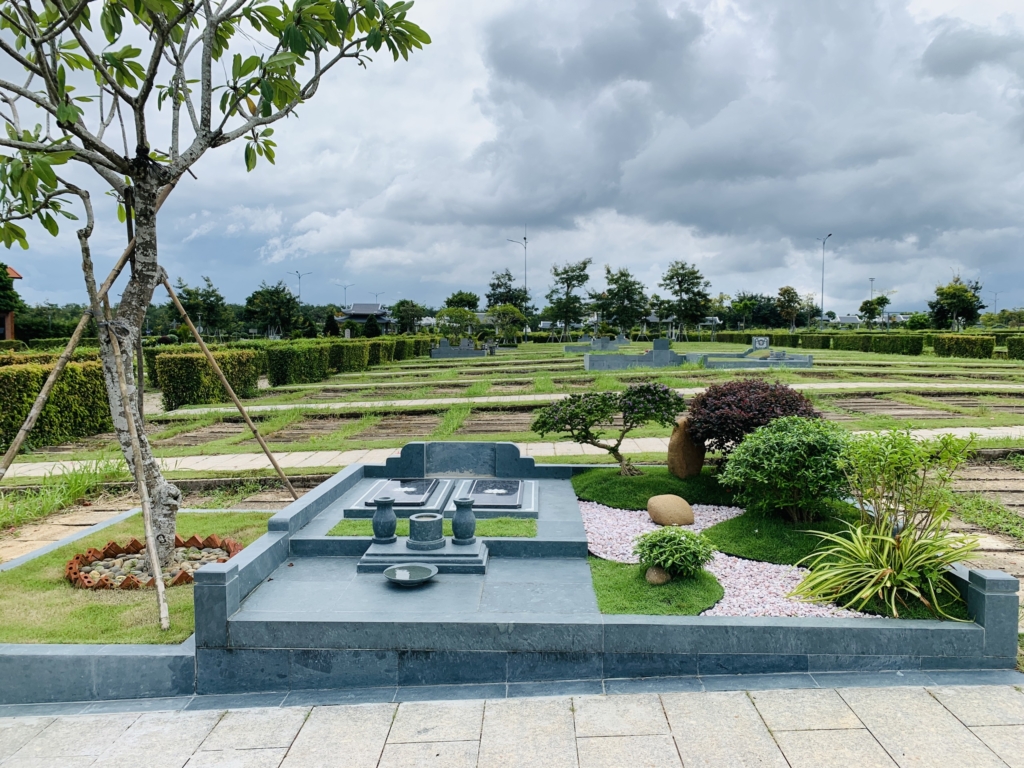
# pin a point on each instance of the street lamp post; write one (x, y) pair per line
(523, 243)
(872, 288)
(375, 295)
(821, 320)
(344, 287)
(995, 301)
(300, 275)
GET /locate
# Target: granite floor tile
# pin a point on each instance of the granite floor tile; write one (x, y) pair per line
(983, 705)
(450, 692)
(77, 736)
(437, 722)
(136, 706)
(654, 685)
(342, 737)
(639, 715)
(345, 696)
(855, 748)
(556, 688)
(259, 728)
(765, 682)
(632, 751)
(907, 679)
(804, 710)
(16, 733)
(917, 730)
(450, 754)
(238, 758)
(168, 739)
(1007, 741)
(720, 729)
(235, 701)
(528, 733)
(50, 762)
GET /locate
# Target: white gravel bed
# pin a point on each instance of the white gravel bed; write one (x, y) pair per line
(751, 588)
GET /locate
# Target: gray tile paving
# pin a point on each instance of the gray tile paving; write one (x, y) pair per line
(634, 751)
(442, 721)
(445, 754)
(833, 749)
(168, 739)
(804, 710)
(238, 758)
(983, 705)
(16, 733)
(619, 716)
(1007, 741)
(77, 736)
(342, 737)
(259, 728)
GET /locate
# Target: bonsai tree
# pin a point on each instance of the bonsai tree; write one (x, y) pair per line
(724, 414)
(507, 320)
(455, 321)
(588, 418)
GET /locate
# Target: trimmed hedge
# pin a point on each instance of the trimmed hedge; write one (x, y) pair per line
(189, 378)
(298, 364)
(47, 358)
(816, 340)
(77, 406)
(13, 344)
(1015, 347)
(59, 342)
(963, 345)
(852, 342)
(897, 344)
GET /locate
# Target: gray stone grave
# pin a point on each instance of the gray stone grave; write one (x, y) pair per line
(444, 350)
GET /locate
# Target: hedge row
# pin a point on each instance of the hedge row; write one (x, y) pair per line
(964, 345)
(46, 358)
(1015, 347)
(59, 342)
(298, 363)
(12, 344)
(189, 378)
(77, 406)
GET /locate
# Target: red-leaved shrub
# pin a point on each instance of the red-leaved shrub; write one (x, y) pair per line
(724, 413)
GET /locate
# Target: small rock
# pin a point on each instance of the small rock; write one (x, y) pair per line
(668, 509)
(657, 576)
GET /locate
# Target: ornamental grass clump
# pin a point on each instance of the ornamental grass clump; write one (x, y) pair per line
(790, 467)
(724, 414)
(679, 552)
(901, 551)
(588, 418)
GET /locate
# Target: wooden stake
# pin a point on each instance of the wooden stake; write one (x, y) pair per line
(44, 393)
(140, 480)
(228, 389)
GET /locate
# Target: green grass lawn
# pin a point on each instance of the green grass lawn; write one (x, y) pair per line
(608, 487)
(771, 540)
(493, 527)
(621, 588)
(37, 605)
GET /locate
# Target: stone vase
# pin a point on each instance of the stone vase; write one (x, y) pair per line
(384, 521)
(463, 522)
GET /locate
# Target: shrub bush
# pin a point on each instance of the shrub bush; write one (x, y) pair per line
(816, 340)
(680, 552)
(188, 379)
(46, 358)
(788, 467)
(12, 344)
(855, 342)
(77, 406)
(298, 363)
(964, 345)
(723, 414)
(897, 344)
(1015, 347)
(403, 348)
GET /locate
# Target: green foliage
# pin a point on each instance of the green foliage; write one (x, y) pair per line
(507, 319)
(371, 328)
(774, 540)
(1015, 347)
(608, 487)
(298, 363)
(623, 303)
(331, 325)
(455, 321)
(271, 308)
(789, 304)
(897, 344)
(964, 345)
(957, 304)
(918, 321)
(976, 509)
(55, 492)
(815, 340)
(10, 301)
(463, 300)
(680, 552)
(355, 356)
(13, 345)
(859, 342)
(502, 290)
(80, 355)
(622, 589)
(188, 378)
(206, 307)
(77, 406)
(60, 342)
(690, 298)
(564, 303)
(407, 314)
(788, 467)
(724, 414)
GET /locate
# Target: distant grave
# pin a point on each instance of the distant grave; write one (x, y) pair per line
(601, 344)
(444, 350)
(758, 344)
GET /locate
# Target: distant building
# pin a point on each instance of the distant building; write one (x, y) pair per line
(360, 313)
(7, 318)
(847, 320)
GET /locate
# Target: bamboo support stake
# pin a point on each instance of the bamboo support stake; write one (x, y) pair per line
(229, 390)
(140, 480)
(62, 361)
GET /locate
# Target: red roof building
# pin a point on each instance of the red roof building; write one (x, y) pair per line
(7, 318)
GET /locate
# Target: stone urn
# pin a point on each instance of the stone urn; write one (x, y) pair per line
(463, 522)
(685, 455)
(384, 521)
(426, 531)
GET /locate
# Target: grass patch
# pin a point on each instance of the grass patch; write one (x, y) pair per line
(772, 540)
(478, 389)
(976, 509)
(621, 588)
(225, 498)
(56, 491)
(38, 606)
(916, 610)
(543, 385)
(608, 487)
(452, 420)
(493, 527)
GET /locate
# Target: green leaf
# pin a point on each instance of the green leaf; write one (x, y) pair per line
(250, 157)
(341, 15)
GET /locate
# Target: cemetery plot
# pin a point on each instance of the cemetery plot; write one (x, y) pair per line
(202, 435)
(308, 429)
(485, 422)
(997, 481)
(96, 442)
(402, 425)
(1003, 405)
(873, 406)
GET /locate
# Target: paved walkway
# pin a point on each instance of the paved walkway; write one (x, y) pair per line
(546, 398)
(240, 462)
(980, 727)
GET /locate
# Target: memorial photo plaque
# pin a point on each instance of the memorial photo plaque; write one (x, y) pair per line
(497, 493)
(406, 493)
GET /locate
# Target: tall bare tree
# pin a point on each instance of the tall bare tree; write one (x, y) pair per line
(95, 73)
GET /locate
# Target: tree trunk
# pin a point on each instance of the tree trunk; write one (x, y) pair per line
(131, 313)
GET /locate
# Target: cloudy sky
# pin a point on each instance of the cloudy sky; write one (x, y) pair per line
(730, 133)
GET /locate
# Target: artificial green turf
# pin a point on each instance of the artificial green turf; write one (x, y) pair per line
(37, 604)
(621, 588)
(492, 527)
(771, 540)
(608, 487)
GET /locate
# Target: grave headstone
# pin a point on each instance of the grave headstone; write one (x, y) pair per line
(348, 333)
(444, 344)
(662, 344)
(760, 342)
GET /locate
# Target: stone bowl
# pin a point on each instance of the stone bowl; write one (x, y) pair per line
(410, 574)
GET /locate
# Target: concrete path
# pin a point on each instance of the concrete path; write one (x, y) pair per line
(240, 462)
(981, 727)
(546, 398)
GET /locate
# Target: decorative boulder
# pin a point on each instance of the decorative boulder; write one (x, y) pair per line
(685, 455)
(668, 509)
(656, 575)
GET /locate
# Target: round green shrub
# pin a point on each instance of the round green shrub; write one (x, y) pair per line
(788, 467)
(680, 552)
